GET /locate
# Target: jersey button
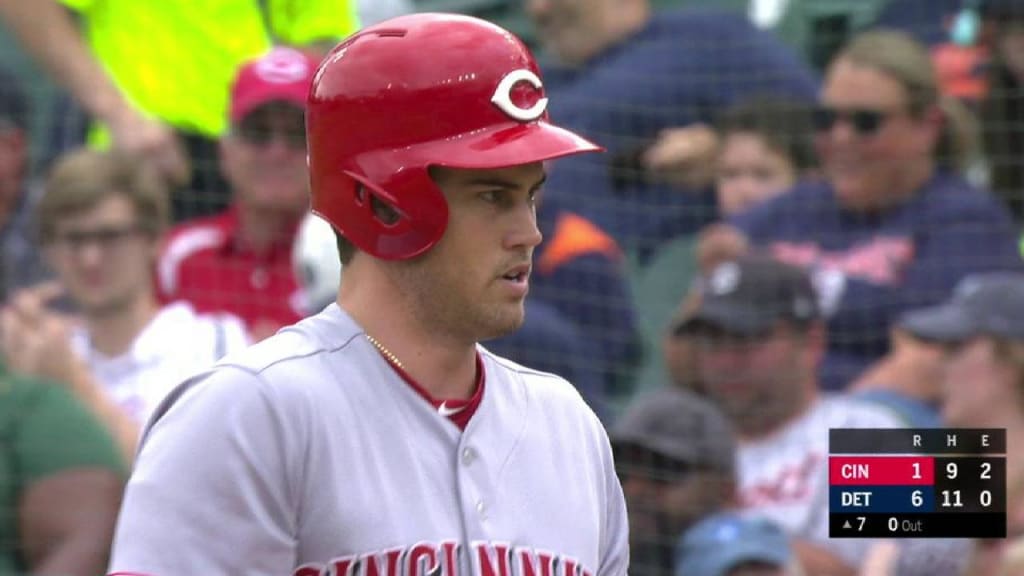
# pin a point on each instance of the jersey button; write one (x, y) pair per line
(481, 508)
(468, 456)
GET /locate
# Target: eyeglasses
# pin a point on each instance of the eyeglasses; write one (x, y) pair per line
(865, 121)
(261, 135)
(105, 238)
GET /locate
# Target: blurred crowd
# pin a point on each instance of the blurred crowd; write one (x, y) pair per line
(774, 244)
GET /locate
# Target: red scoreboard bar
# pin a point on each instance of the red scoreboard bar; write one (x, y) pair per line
(917, 483)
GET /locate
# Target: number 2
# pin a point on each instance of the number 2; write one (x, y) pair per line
(986, 470)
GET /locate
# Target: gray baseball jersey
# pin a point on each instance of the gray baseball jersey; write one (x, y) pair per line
(307, 454)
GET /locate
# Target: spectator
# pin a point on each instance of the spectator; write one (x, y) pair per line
(62, 479)
(625, 73)
(580, 272)
(675, 454)
(758, 149)
(728, 544)
(1002, 110)
(892, 226)
(765, 149)
(21, 264)
(982, 327)
(763, 146)
(155, 75)
(760, 337)
(239, 261)
(100, 220)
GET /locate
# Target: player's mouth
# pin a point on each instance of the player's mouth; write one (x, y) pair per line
(517, 277)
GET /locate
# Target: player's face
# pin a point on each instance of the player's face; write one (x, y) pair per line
(264, 159)
(976, 383)
(873, 143)
(102, 257)
(571, 29)
(750, 172)
(757, 381)
(473, 283)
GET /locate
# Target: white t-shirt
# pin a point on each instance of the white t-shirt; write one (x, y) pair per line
(784, 477)
(175, 345)
(307, 454)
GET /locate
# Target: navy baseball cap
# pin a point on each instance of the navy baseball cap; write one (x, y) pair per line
(748, 296)
(719, 543)
(990, 304)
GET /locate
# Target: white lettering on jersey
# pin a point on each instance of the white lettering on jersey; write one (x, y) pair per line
(503, 96)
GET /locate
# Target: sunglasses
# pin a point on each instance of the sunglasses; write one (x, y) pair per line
(865, 122)
(261, 135)
(105, 238)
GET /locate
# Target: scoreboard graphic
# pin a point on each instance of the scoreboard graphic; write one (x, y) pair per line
(917, 483)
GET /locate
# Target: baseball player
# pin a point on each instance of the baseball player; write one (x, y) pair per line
(378, 437)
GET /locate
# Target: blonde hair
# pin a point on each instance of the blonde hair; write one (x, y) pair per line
(907, 61)
(82, 179)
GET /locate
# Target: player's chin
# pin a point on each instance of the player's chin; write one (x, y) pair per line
(505, 321)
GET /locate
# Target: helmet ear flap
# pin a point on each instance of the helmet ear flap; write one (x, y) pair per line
(382, 211)
(398, 219)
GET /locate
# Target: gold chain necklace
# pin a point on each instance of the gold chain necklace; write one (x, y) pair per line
(384, 351)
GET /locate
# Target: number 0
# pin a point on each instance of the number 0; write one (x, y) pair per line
(894, 524)
(986, 498)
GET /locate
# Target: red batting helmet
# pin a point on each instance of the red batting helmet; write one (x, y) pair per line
(418, 91)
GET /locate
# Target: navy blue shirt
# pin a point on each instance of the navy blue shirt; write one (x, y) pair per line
(683, 67)
(869, 268)
(549, 342)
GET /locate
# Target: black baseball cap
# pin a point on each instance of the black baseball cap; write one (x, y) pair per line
(680, 425)
(990, 304)
(748, 296)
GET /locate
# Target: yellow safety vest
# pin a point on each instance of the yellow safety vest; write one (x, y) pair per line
(175, 59)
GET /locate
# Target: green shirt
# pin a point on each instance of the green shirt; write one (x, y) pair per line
(43, 431)
(175, 59)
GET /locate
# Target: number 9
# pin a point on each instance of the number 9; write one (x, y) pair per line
(951, 470)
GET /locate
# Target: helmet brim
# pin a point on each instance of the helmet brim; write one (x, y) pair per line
(511, 144)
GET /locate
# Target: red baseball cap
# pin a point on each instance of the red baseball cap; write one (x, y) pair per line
(283, 74)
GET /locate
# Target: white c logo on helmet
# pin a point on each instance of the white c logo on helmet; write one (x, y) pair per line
(503, 96)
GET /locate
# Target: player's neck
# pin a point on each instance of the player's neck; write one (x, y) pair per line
(113, 331)
(445, 367)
